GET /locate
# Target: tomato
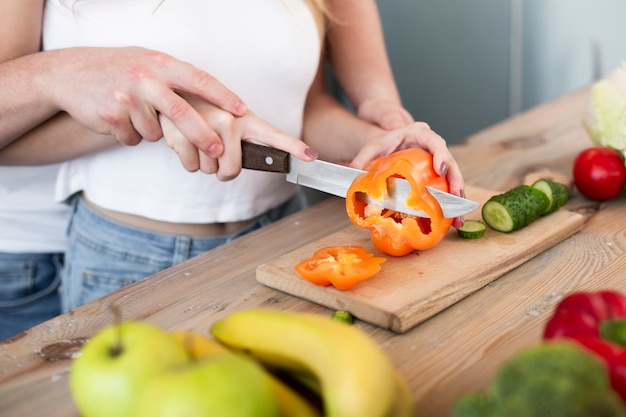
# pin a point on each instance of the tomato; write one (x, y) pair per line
(341, 266)
(398, 234)
(599, 173)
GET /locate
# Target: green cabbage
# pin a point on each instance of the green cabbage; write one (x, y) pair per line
(605, 119)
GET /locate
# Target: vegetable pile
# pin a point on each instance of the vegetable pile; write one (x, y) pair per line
(551, 379)
(599, 172)
(579, 369)
(596, 321)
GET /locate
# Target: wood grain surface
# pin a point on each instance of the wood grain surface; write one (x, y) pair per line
(454, 352)
(410, 289)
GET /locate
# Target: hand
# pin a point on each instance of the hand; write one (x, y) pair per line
(417, 134)
(232, 130)
(386, 114)
(121, 92)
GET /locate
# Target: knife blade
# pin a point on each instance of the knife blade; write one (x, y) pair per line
(335, 179)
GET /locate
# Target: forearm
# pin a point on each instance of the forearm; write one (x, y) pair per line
(335, 133)
(59, 139)
(22, 106)
(357, 52)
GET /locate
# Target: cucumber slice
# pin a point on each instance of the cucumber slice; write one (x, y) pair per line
(472, 229)
(557, 193)
(515, 208)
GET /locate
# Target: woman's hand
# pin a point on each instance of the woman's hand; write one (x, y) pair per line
(416, 135)
(232, 130)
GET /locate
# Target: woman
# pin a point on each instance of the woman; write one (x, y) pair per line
(136, 209)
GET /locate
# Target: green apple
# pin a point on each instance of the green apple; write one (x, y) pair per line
(223, 384)
(115, 365)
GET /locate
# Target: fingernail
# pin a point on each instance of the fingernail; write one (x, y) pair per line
(443, 169)
(215, 150)
(462, 193)
(241, 108)
(310, 153)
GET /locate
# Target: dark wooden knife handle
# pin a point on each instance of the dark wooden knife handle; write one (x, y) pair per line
(264, 158)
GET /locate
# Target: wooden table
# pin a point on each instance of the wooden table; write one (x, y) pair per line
(456, 351)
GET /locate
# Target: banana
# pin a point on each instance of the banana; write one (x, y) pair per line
(404, 402)
(356, 378)
(290, 403)
(197, 345)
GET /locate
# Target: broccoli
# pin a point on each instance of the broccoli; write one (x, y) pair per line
(555, 379)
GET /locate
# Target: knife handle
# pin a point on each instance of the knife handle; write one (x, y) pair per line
(263, 158)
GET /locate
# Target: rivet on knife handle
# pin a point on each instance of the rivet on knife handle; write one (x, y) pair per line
(264, 158)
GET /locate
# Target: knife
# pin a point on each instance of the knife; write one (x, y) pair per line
(336, 179)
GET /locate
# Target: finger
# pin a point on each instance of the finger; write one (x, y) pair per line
(194, 81)
(186, 151)
(386, 145)
(427, 139)
(146, 123)
(122, 128)
(261, 131)
(187, 120)
(229, 164)
(127, 135)
(208, 165)
(456, 183)
(188, 154)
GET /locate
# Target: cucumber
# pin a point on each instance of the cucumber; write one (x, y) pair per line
(515, 208)
(472, 229)
(557, 193)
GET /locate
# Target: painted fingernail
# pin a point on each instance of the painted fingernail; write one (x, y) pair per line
(310, 153)
(443, 169)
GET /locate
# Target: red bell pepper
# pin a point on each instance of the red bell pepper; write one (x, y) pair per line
(596, 321)
(398, 234)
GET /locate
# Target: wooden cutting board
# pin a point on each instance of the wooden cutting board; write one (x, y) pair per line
(412, 288)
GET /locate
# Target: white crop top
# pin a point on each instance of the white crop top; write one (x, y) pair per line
(30, 220)
(266, 51)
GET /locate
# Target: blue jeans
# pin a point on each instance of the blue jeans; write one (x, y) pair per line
(28, 290)
(104, 255)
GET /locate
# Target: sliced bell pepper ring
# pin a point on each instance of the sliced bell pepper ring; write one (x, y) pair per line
(341, 266)
(596, 321)
(394, 233)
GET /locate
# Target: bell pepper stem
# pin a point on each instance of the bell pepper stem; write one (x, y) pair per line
(614, 331)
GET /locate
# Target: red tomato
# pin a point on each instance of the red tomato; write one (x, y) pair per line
(599, 173)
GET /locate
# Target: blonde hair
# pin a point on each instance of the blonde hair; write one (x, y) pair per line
(320, 14)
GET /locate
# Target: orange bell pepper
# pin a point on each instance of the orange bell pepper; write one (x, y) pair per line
(393, 233)
(341, 266)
